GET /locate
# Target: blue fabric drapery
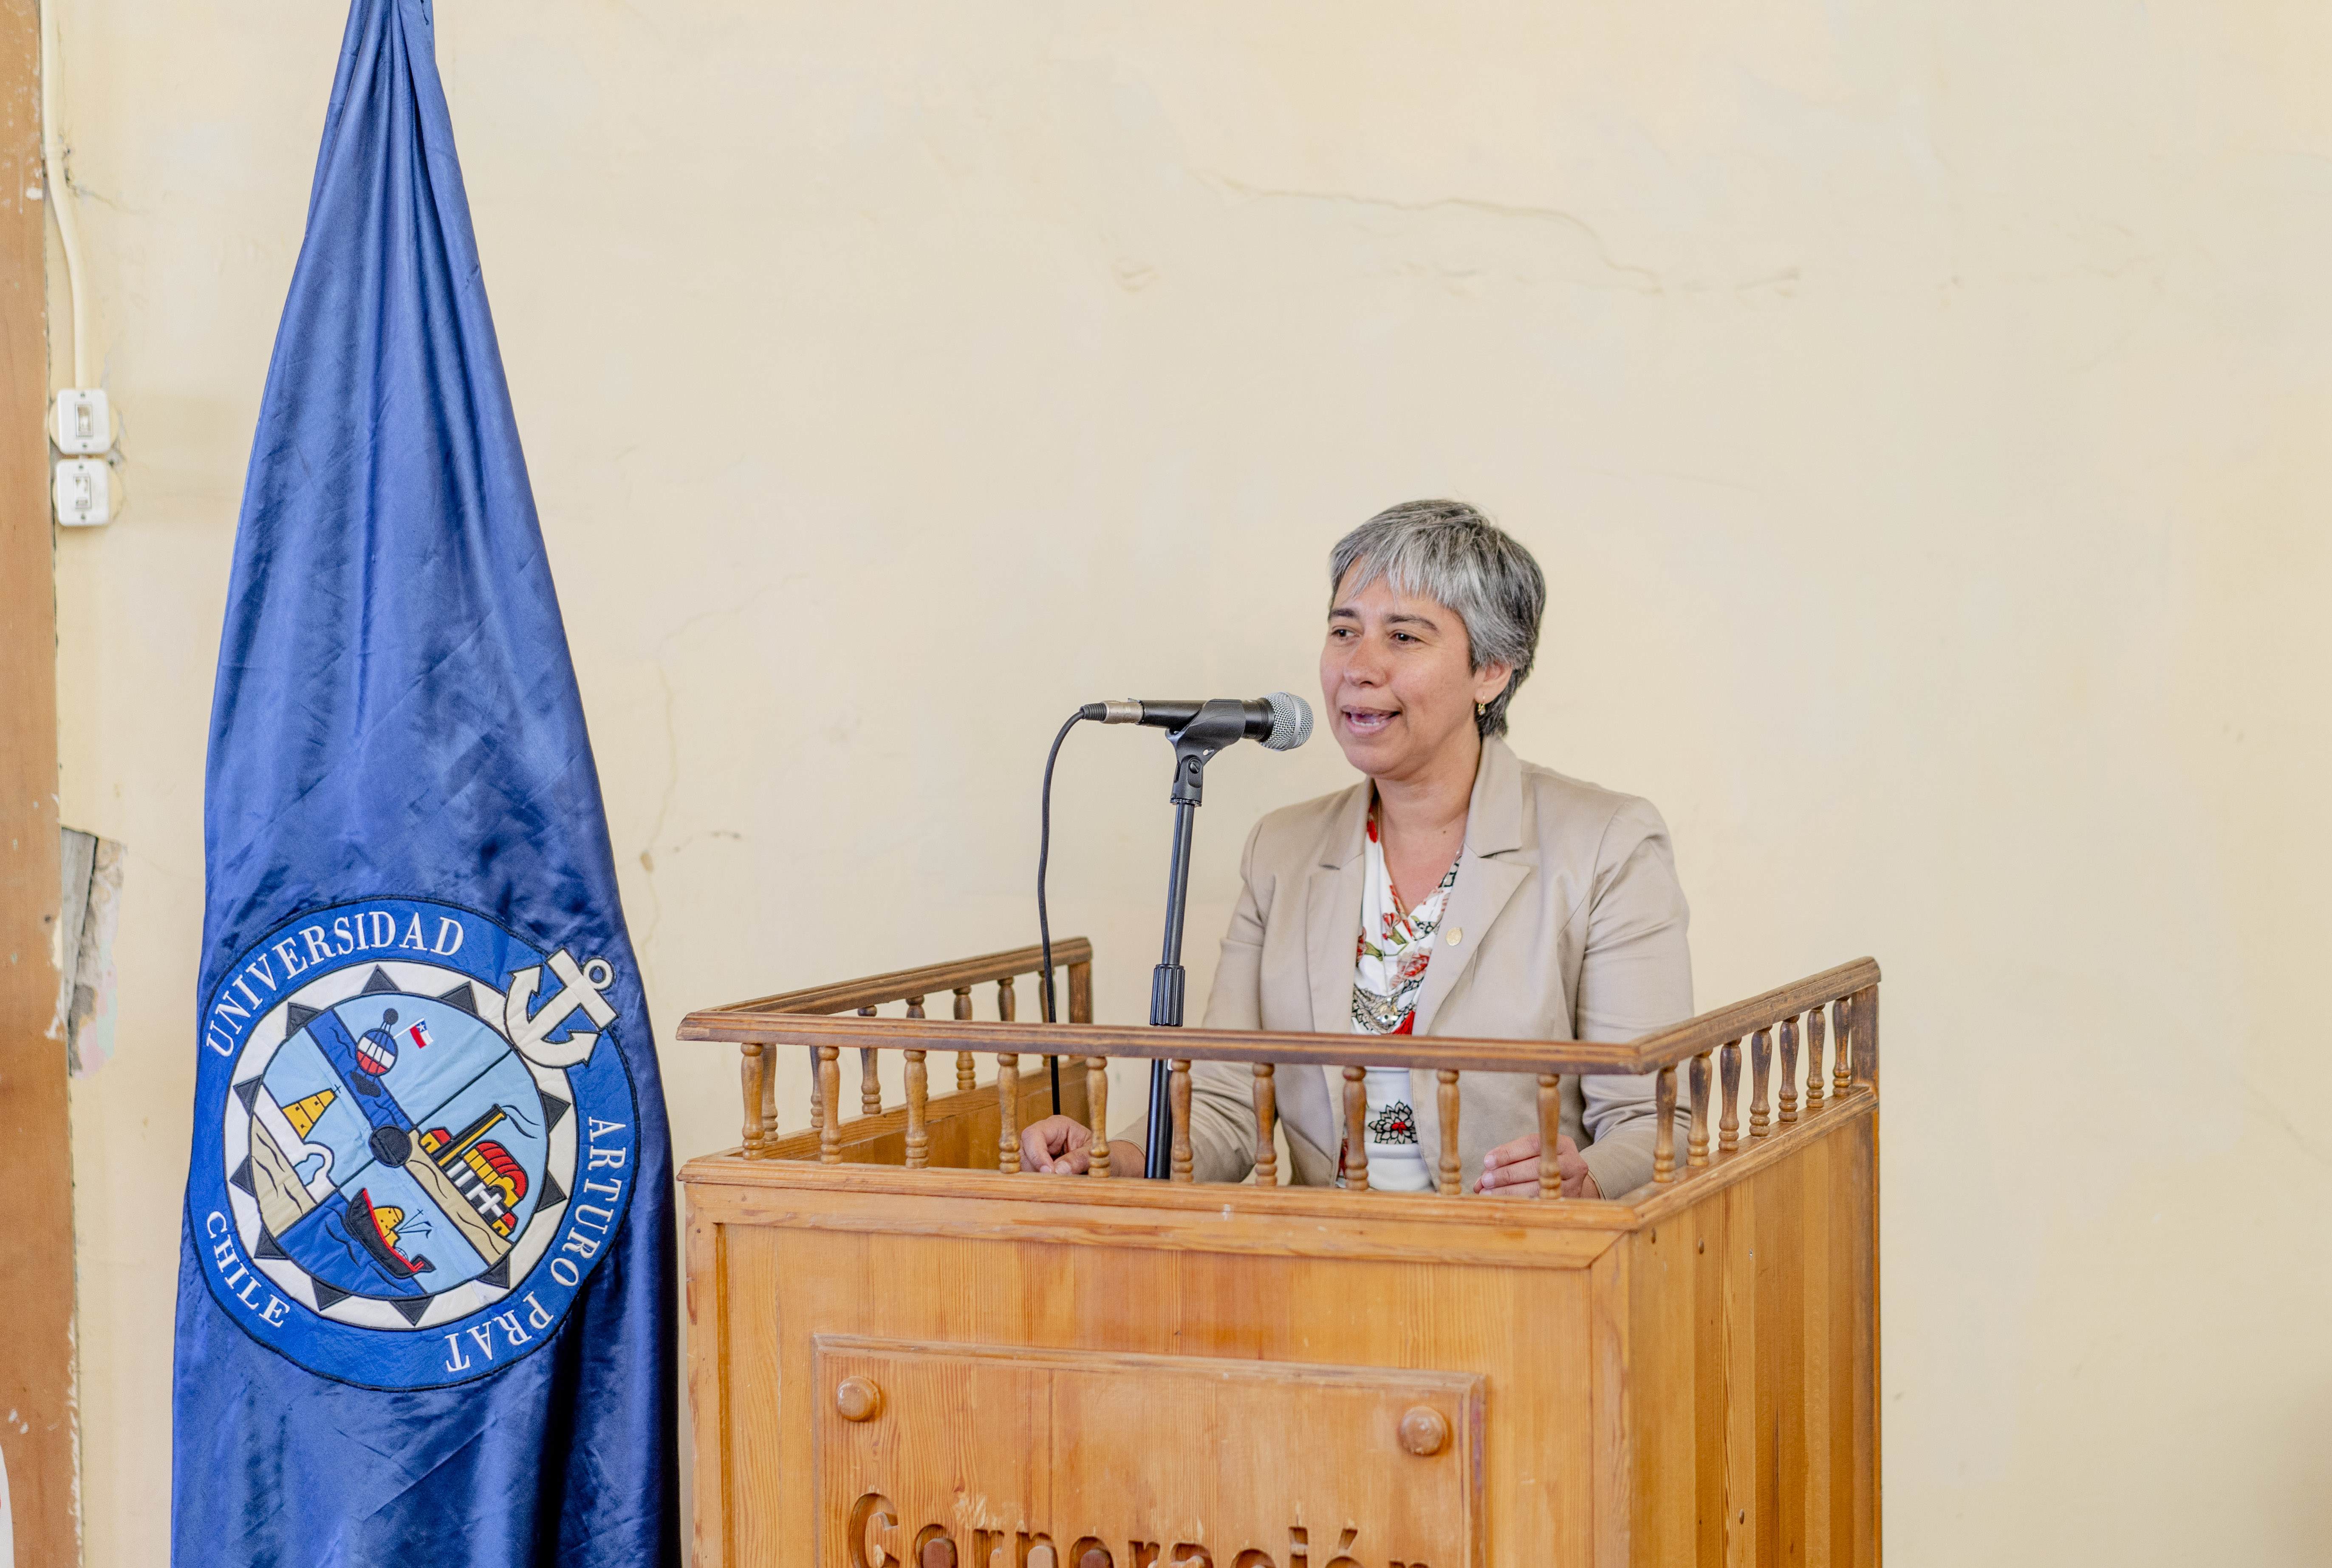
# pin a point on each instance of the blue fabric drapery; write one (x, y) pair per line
(426, 1305)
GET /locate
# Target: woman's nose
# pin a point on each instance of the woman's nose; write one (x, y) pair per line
(1365, 665)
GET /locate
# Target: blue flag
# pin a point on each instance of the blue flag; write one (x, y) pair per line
(426, 1299)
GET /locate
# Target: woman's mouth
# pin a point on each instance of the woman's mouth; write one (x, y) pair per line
(1365, 721)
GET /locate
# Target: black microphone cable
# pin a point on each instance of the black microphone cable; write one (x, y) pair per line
(1043, 855)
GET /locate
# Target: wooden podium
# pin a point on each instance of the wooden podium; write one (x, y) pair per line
(904, 1350)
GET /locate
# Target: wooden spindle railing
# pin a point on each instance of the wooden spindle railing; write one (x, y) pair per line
(1097, 1106)
(1266, 1125)
(1007, 1087)
(1181, 1166)
(865, 998)
(870, 1082)
(919, 1130)
(1007, 1112)
(1865, 1036)
(1664, 1127)
(1840, 1071)
(1696, 1154)
(1834, 1016)
(752, 1077)
(1789, 1086)
(1817, 1079)
(1729, 1130)
(1452, 1177)
(1550, 1134)
(830, 1088)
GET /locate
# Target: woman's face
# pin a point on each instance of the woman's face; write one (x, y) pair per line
(1395, 677)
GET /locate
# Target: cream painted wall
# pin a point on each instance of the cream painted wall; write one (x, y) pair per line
(1919, 410)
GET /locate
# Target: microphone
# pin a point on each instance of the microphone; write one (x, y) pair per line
(1282, 721)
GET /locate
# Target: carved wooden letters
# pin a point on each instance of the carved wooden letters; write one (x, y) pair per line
(874, 1527)
(931, 1453)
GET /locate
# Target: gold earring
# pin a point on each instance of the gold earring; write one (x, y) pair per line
(1480, 708)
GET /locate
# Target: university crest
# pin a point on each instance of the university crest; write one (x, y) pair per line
(414, 1138)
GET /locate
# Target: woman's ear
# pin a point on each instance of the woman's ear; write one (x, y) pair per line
(1490, 680)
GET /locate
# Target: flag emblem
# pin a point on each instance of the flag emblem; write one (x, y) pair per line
(395, 1219)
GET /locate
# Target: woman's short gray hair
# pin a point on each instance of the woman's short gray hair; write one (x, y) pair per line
(1448, 551)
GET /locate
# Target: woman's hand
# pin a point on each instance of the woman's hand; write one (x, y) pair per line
(1510, 1170)
(1056, 1146)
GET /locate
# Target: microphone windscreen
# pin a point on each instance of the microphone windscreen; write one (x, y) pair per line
(1291, 721)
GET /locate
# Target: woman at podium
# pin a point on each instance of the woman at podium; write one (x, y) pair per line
(1454, 889)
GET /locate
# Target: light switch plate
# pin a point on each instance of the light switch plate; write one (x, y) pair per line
(84, 422)
(84, 492)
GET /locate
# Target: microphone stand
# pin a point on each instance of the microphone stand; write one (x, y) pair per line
(1215, 725)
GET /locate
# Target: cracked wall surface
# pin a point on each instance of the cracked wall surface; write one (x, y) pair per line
(1918, 410)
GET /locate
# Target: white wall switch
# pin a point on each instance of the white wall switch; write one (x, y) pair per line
(84, 492)
(84, 422)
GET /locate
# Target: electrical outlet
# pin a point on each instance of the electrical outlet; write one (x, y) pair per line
(84, 422)
(84, 492)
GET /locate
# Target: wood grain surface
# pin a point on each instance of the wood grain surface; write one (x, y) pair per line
(1687, 1377)
(1095, 1371)
(1031, 1449)
(37, 1443)
(1752, 1338)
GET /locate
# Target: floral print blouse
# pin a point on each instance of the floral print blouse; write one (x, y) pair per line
(1395, 945)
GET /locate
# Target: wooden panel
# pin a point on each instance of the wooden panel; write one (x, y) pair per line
(1751, 1406)
(1821, 1308)
(710, 1422)
(1610, 1345)
(1732, 1447)
(36, 1263)
(1854, 1266)
(1687, 1377)
(1662, 1306)
(1193, 1459)
(1133, 1214)
(1073, 1289)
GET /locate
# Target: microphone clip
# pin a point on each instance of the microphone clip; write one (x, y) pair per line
(1217, 724)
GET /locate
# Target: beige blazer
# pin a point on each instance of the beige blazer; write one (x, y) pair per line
(1566, 922)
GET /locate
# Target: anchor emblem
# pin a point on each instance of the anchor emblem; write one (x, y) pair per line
(579, 986)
